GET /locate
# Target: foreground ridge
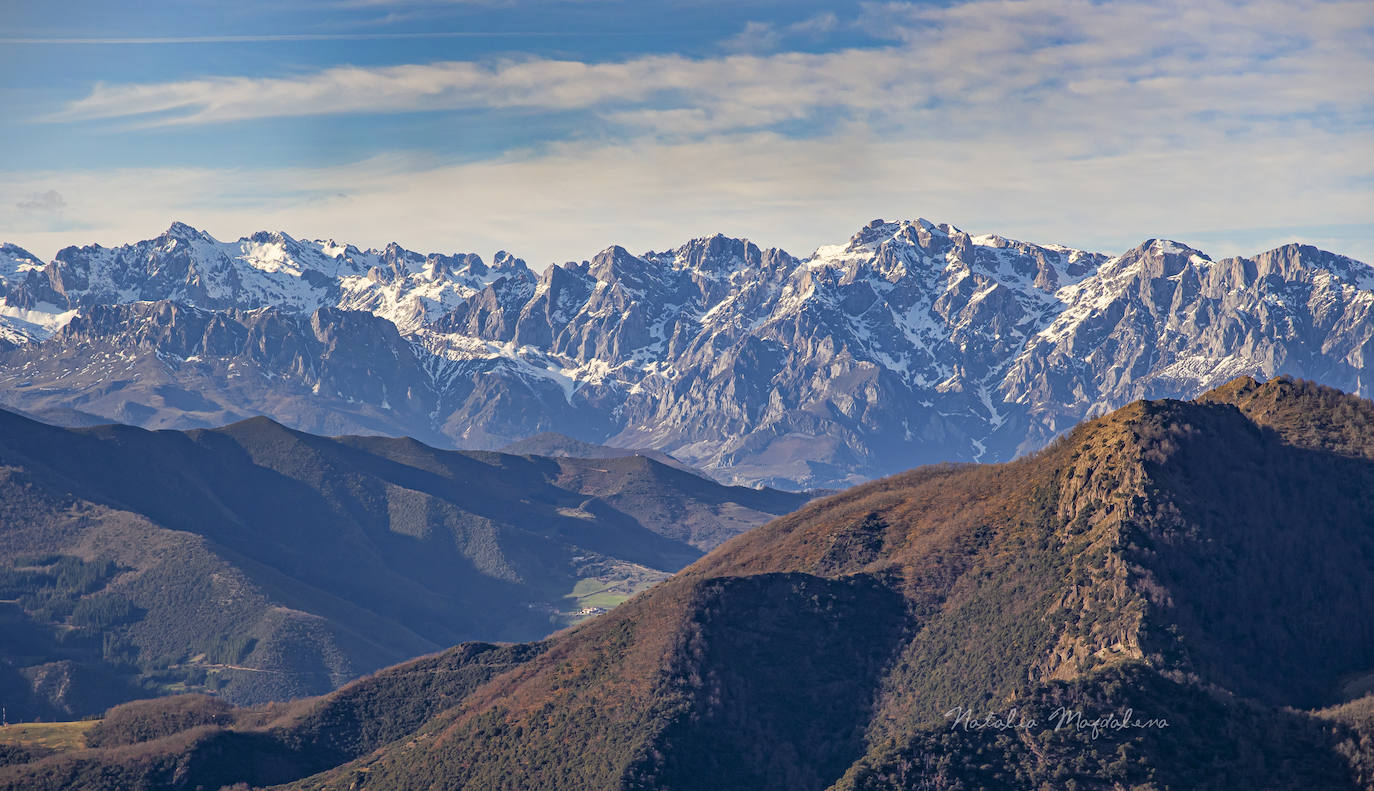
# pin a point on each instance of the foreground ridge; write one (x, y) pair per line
(1199, 564)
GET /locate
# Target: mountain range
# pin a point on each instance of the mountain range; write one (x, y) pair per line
(262, 563)
(910, 343)
(1175, 595)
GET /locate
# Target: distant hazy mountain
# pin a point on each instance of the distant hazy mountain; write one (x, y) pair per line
(909, 343)
(551, 443)
(1162, 599)
(264, 563)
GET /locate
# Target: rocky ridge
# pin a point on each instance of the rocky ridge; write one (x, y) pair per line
(910, 343)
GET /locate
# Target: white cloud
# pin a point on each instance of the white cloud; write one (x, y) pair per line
(48, 201)
(1262, 58)
(569, 201)
(816, 25)
(760, 37)
(802, 80)
(1095, 124)
(755, 37)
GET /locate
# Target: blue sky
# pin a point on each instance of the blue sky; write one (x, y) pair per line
(554, 129)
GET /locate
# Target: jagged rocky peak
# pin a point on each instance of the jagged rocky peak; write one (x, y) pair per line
(15, 251)
(506, 262)
(15, 260)
(267, 268)
(437, 267)
(629, 276)
(271, 237)
(715, 255)
(1167, 249)
(1296, 261)
(1158, 258)
(614, 263)
(919, 231)
(391, 264)
(335, 249)
(165, 325)
(880, 236)
(400, 261)
(888, 251)
(565, 273)
(466, 263)
(874, 232)
(910, 342)
(180, 230)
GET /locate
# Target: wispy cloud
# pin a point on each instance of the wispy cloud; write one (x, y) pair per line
(1048, 62)
(570, 200)
(49, 201)
(760, 37)
(755, 37)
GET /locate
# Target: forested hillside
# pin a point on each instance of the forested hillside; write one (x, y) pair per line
(1174, 578)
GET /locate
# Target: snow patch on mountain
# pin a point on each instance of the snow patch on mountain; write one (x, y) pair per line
(911, 342)
(265, 269)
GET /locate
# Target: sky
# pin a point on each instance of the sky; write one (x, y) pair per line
(554, 129)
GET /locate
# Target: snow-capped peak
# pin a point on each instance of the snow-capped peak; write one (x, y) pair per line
(180, 230)
(266, 268)
(910, 338)
(1167, 247)
(15, 260)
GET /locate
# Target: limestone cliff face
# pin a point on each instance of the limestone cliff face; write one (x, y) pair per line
(909, 343)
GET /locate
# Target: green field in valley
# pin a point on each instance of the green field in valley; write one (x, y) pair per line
(604, 592)
(60, 736)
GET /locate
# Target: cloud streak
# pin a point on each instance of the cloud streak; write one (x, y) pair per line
(1251, 59)
(570, 200)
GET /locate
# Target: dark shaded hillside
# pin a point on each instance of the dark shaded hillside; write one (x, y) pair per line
(264, 563)
(1208, 741)
(272, 743)
(705, 515)
(1202, 565)
(1272, 541)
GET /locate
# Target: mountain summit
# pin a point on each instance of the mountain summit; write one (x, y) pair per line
(912, 342)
